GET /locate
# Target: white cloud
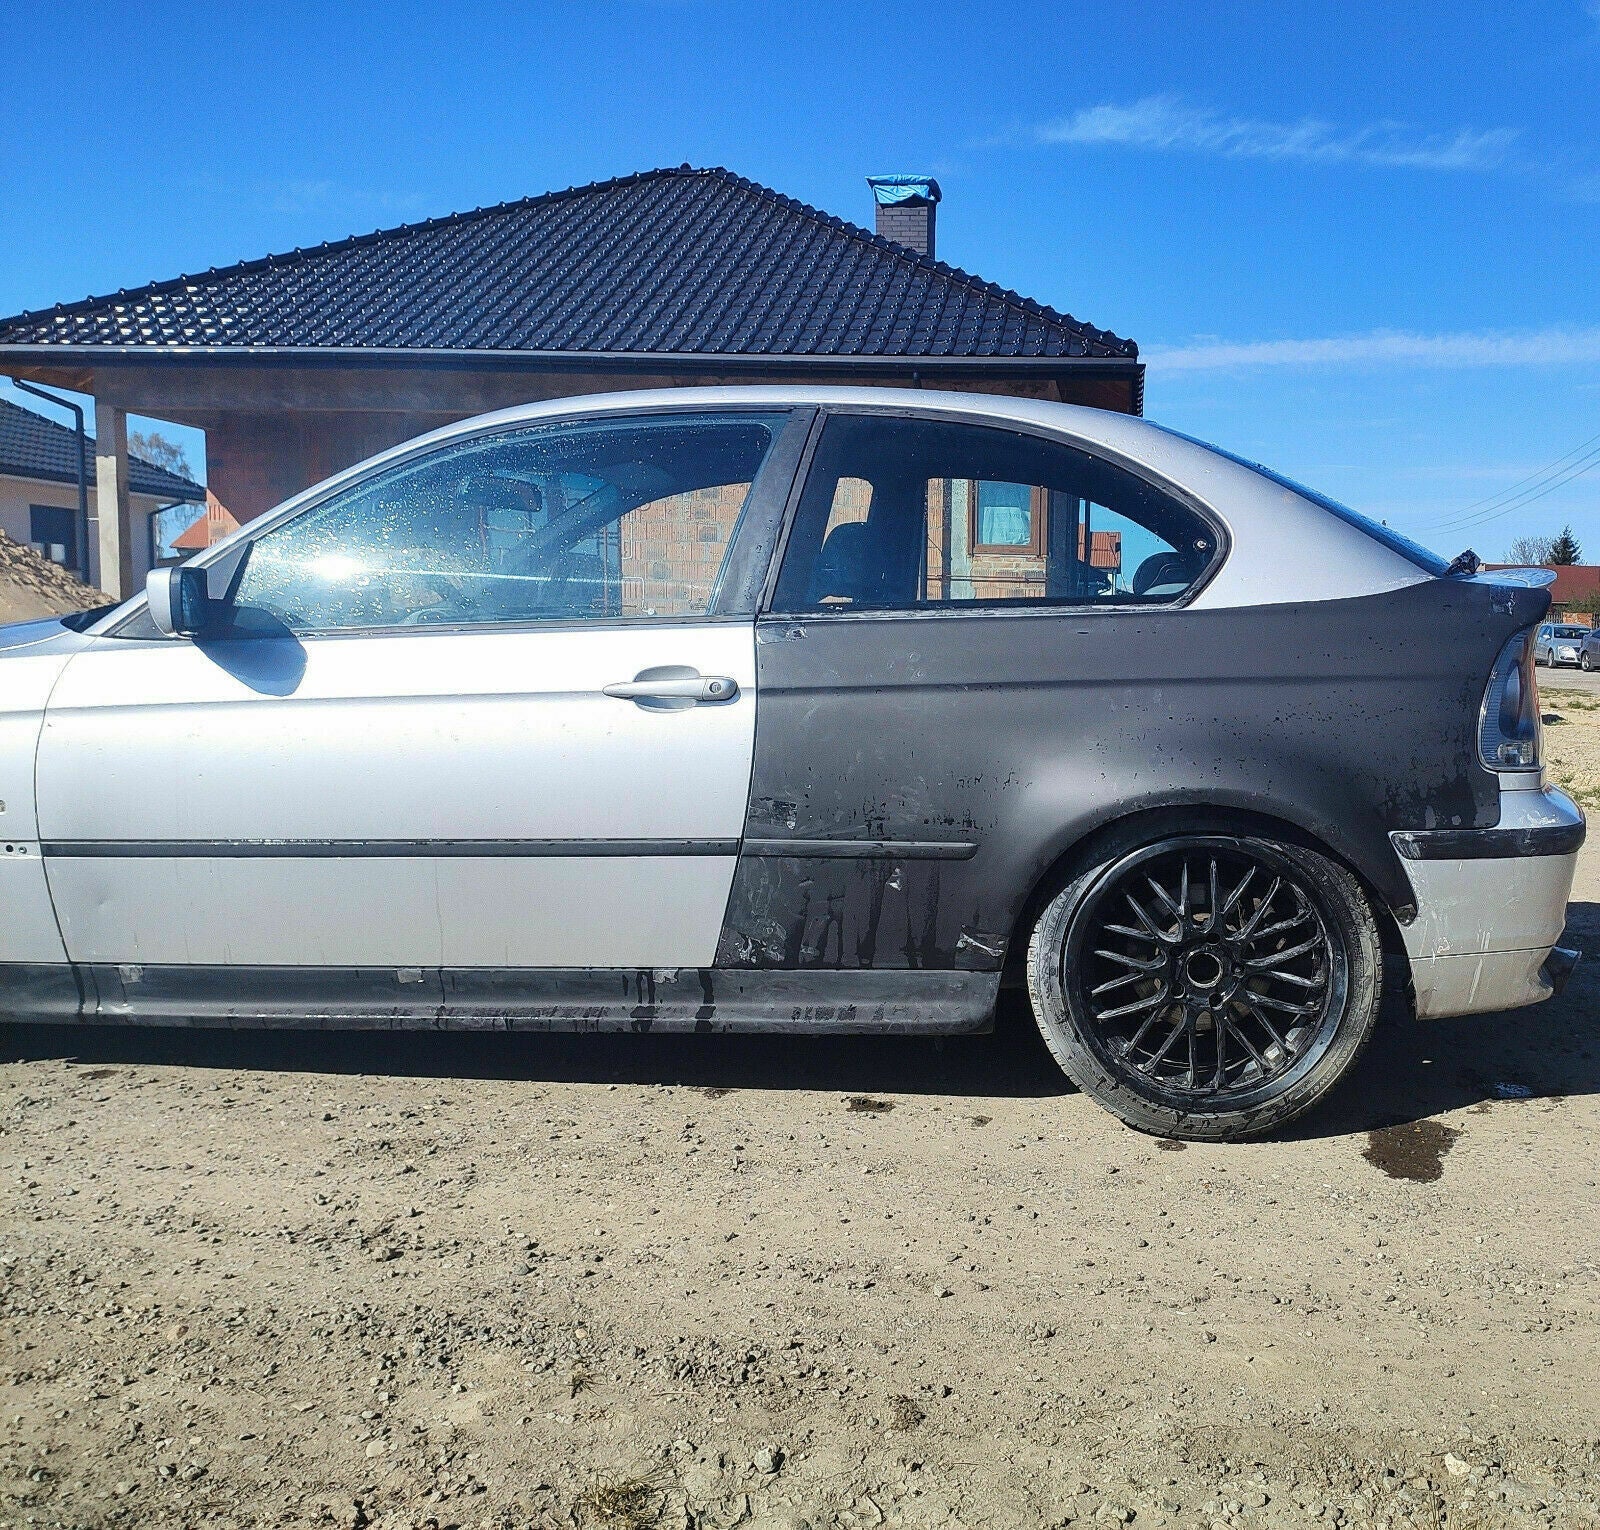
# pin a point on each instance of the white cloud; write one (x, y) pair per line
(1165, 123)
(1385, 347)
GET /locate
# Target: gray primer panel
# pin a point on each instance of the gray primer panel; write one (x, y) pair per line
(1025, 731)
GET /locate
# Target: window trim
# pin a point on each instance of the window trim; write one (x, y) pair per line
(760, 525)
(1222, 541)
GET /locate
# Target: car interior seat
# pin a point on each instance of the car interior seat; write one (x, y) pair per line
(842, 567)
(1162, 576)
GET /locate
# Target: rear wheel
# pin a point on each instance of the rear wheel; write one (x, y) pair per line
(1207, 986)
(1585, 663)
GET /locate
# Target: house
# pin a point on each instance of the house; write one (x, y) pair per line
(298, 365)
(217, 522)
(39, 494)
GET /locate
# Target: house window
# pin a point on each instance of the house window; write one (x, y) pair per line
(53, 531)
(1008, 518)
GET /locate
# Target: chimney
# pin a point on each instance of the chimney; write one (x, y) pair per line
(907, 206)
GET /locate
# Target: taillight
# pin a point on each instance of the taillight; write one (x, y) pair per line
(1510, 733)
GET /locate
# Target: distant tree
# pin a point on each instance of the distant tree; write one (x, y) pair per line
(1530, 551)
(155, 447)
(1565, 548)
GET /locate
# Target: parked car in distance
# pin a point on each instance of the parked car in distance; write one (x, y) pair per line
(1560, 643)
(813, 710)
(1589, 649)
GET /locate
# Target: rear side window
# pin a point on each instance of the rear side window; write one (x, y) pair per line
(907, 514)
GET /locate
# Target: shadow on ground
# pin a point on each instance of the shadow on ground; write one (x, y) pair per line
(1412, 1070)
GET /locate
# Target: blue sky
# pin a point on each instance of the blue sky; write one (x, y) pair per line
(1359, 242)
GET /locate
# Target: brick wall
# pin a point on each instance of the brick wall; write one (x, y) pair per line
(673, 547)
(909, 223)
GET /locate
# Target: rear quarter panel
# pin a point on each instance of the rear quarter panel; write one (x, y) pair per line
(1022, 732)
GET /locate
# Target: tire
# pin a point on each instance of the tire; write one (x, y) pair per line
(1135, 998)
(1585, 663)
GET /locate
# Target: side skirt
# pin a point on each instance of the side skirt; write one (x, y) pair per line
(705, 999)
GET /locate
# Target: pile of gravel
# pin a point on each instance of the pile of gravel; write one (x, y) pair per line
(31, 586)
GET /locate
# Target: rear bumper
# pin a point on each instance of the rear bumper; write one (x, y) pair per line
(1491, 904)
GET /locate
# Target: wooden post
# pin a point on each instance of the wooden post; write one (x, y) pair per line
(111, 500)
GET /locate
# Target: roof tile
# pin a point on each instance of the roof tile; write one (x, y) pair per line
(680, 261)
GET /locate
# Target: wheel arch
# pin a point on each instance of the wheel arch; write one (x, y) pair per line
(1143, 824)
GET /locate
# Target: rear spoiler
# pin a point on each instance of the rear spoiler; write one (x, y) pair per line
(1523, 578)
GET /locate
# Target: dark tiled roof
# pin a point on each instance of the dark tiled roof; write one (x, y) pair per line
(676, 261)
(34, 447)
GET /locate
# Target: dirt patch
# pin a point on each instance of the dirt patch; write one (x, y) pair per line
(1412, 1150)
(401, 1280)
(865, 1105)
(905, 1412)
(1572, 743)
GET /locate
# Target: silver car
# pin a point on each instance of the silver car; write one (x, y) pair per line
(813, 710)
(1559, 643)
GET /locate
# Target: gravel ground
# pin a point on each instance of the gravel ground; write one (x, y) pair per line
(404, 1280)
(1572, 734)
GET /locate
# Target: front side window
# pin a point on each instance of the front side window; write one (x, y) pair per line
(617, 518)
(903, 514)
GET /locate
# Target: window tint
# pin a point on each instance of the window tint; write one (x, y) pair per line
(611, 519)
(903, 514)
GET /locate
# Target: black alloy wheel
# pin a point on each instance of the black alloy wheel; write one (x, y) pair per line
(1208, 986)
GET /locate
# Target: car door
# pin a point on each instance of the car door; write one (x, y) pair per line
(484, 714)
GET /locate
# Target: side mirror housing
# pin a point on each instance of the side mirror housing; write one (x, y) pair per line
(188, 602)
(180, 605)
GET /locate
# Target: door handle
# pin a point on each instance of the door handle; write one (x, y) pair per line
(672, 687)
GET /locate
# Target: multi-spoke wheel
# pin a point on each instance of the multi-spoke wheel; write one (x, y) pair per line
(1207, 986)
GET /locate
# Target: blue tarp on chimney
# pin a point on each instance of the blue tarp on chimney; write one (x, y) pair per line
(890, 190)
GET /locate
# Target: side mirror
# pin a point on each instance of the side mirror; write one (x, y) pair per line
(179, 603)
(188, 602)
